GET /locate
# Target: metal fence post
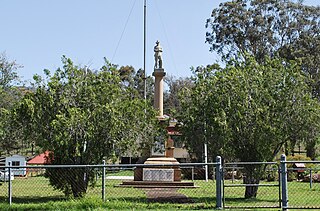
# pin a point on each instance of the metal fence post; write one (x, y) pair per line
(310, 178)
(9, 183)
(284, 182)
(206, 161)
(192, 171)
(104, 181)
(218, 183)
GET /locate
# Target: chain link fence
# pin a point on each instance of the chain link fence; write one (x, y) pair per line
(36, 184)
(251, 185)
(285, 185)
(303, 184)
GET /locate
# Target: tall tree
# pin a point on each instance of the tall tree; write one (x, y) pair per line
(9, 95)
(306, 50)
(247, 112)
(261, 28)
(172, 105)
(134, 80)
(285, 28)
(8, 76)
(8, 71)
(83, 116)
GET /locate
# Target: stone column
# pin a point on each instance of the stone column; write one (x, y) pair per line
(169, 148)
(158, 90)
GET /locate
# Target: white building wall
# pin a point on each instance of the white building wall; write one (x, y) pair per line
(22, 162)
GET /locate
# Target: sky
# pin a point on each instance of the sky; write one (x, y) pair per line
(37, 33)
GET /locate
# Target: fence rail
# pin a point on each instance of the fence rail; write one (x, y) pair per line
(282, 184)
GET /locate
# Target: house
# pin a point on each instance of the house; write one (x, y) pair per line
(17, 160)
(40, 159)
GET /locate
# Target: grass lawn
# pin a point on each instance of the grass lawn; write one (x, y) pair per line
(299, 195)
(35, 193)
(267, 196)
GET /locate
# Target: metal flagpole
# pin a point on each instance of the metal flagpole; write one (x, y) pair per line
(144, 51)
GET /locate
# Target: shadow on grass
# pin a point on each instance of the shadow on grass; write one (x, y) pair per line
(194, 203)
(34, 200)
(203, 199)
(192, 200)
(250, 203)
(251, 200)
(128, 199)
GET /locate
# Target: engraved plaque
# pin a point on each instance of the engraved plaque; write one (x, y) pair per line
(165, 175)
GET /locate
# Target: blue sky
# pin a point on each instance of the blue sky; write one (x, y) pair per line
(36, 33)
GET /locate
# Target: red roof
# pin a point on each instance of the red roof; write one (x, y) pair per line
(39, 159)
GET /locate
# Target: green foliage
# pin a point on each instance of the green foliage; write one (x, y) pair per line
(275, 104)
(263, 28)
(248, 111)
(10, 134)
(134, 80)
(298, 157)
(285, 29)
(293, 174)
(82, 117)
(172, 104)
(8, 71)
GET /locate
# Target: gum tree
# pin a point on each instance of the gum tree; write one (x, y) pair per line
(262, 28)
(9, 95)
(171, 96)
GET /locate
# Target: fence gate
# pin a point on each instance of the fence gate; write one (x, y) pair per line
(239, 182)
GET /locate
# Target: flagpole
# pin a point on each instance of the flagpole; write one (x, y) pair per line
(144, 50)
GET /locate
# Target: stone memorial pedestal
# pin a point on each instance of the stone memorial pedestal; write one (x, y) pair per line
(160, 176)
(161, 173)
(164, 173)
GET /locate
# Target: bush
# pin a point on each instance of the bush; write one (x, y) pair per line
(271, 173)
(292, 173)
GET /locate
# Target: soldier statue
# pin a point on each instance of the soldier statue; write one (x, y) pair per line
(158, 56)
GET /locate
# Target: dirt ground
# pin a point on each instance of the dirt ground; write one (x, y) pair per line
(166, 195)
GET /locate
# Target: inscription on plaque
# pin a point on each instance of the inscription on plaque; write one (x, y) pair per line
(166, 175)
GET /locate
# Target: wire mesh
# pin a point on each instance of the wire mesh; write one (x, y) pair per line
(251, 185)
(50, 184)
(41, 184)
(304, 185)
(3, 190)
(161, 192)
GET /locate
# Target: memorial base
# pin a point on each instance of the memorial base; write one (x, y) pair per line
(157, 184)
(162, 170)
(162, 176)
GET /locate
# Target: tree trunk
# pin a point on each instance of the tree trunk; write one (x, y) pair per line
(311, 149)
(80, 183)
(251, 191)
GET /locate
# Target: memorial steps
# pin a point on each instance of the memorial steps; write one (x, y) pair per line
(157, 184)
